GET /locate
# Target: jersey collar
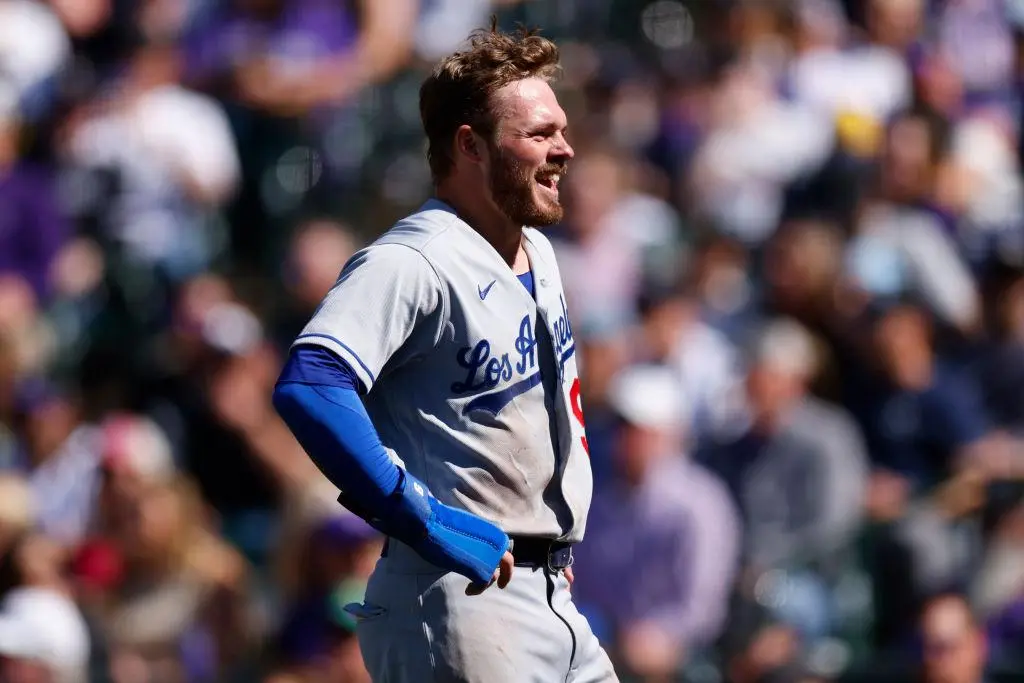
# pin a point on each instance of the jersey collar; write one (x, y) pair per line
(501, 269)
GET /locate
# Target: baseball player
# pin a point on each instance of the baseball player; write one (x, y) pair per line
(436, 387)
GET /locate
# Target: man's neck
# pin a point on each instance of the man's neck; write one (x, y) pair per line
(505, 236)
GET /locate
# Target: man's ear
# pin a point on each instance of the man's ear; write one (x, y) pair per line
(468, 144)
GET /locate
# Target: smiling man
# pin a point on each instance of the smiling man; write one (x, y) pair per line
(436, 386)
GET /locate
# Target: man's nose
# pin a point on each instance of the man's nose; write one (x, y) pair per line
(565, 150)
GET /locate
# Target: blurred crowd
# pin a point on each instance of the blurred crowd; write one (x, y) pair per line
(794, 256)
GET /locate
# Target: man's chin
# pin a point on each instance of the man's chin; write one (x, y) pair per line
(543, 219)
(545, 213)
(535, 212)
(548, 221)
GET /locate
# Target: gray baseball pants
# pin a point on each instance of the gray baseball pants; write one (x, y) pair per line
(417, 625)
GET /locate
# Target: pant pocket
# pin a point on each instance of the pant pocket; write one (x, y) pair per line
(363, 611)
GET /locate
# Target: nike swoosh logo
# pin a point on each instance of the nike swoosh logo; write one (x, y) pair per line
(483, 292)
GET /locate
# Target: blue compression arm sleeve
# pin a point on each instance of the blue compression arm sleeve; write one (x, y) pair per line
(317, 397)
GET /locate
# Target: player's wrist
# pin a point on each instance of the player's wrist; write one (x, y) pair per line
(411, 512)
(452, 539)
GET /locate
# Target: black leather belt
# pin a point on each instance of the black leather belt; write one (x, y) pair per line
(533, 551)
(530, 551)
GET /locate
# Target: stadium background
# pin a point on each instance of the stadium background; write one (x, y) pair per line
(794, 249)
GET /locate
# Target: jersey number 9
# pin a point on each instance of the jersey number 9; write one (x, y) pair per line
(577, 410)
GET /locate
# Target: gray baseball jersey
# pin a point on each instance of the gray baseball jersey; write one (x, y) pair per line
(472, 383)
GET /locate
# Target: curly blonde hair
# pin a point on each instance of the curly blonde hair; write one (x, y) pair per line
(458, 91)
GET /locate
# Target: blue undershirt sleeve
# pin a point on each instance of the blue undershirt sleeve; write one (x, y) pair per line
(317, 396)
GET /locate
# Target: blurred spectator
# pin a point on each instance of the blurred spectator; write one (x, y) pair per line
(919, 547)
(613, 228)
(758, 144)
(43, 638)
(17, 509)
(169, 178)
(287, 58)
(133, 452)
(237, 387)
(33, 560)
(334, 556)
(24, 330)
(923, 418)
(318, 251)
(724, 285)
(323, 643)
(184, 348)
(214, 389)
(443, 24)
(976, 39)
(172, 610)
(903, 249)
(41, 629)
(980, 183)
(708, 366)
(895, 24)
(857, 86)
(324, 545)
(803, 280)
(33, 50)
(1001, 366)
(32, 227)
(998, 593)
(101, 33)
(954, 647)
(60, 456)
(798, 474)
(803, 265)
(997, 589)
(755, 648)
(674, 602)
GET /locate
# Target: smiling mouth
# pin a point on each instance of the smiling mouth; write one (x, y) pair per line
(550, 182)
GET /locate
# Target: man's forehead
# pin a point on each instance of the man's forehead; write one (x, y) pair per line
(528, 102)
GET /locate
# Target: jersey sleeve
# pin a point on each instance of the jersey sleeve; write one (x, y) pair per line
(387, 306)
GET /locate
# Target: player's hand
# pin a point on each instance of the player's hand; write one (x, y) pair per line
(502, 575)
(569, 575)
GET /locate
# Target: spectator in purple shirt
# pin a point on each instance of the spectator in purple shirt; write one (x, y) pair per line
(32, 228)
(289, 57)
(663, 537)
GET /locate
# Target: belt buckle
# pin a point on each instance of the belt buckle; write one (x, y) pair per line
(550, 556)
